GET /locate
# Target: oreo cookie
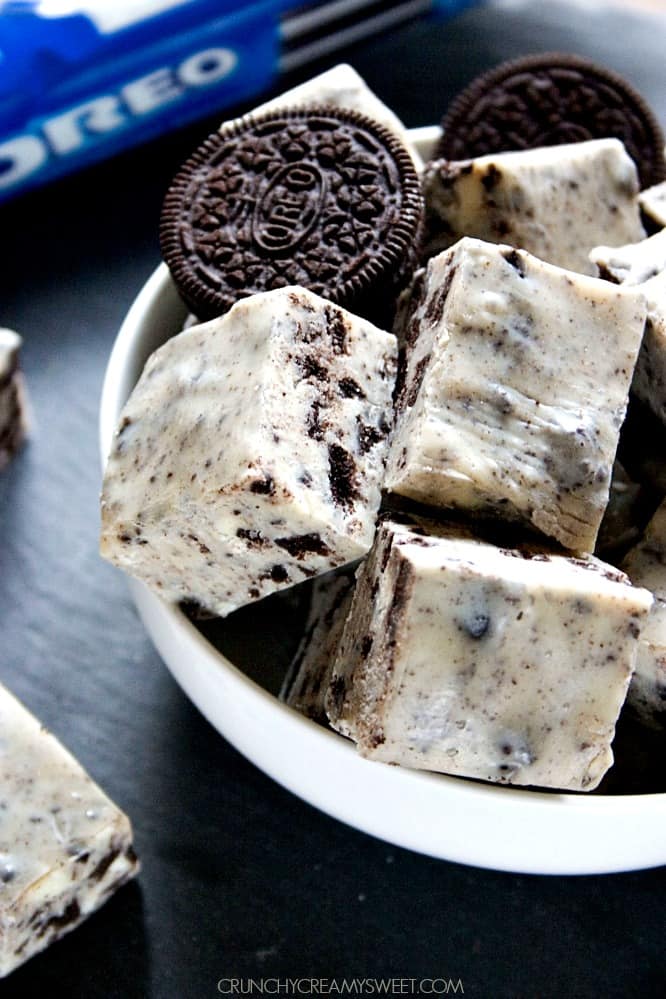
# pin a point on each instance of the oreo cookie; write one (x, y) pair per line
(317, 197)
(548, 100)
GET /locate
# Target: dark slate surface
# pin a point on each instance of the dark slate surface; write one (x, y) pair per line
(241, 879)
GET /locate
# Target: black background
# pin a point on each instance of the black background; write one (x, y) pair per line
(241, 879)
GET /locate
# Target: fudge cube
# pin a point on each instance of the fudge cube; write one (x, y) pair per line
(653, 202)
(645, 565)
(636, 263)
(13, 403)
(556, 201)
(514, 389)
(64, 846)
(309, 673)
(644, 264)
(250, 454)
(505, 665)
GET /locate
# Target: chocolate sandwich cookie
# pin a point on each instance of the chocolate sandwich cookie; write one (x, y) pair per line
(548, 100)
(322, 198)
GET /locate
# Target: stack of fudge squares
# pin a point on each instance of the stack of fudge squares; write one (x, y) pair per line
(443, 485)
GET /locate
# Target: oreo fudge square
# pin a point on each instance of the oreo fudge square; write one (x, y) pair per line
(645, 564)
(653, 202)
(504, 665)
(65, 847)
(309, 673)
(643, 265)
(251, 453)
(556, 202)
(514, 389)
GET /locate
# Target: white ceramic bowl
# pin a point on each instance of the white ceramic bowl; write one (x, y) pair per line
(454, 819)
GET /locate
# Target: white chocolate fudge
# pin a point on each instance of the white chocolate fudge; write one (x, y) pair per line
(342, 87)
(64, 846)
(250, 454)
(514, 389)
(558, 202)
(13, 404)
(637, 263)
(309, 674)
(649, 382)
(646, 566)
(644, 264)
(620, 527)
(463, 658)
(653, 202)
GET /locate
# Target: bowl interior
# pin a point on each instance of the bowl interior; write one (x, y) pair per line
(232, 671)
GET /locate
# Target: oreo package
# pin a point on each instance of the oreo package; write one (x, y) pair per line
(80, 82)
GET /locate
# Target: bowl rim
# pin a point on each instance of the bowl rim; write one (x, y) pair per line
(536, 832)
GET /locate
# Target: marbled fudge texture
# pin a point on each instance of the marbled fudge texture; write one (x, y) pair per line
(342, 87)
(250, 455)
(514, 389)
(309, 674)
(646, 566)
(643, 264)
(653, 202)
(505, 665)
(13, 406)
(557, 202)
(64, 846)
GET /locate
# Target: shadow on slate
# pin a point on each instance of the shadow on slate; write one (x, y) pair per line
(115, 935)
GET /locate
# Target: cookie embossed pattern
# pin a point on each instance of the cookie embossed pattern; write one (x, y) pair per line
(288, 208)
(442, 816)
(298, 197)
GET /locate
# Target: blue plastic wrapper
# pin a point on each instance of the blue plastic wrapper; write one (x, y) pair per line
(80, 82)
